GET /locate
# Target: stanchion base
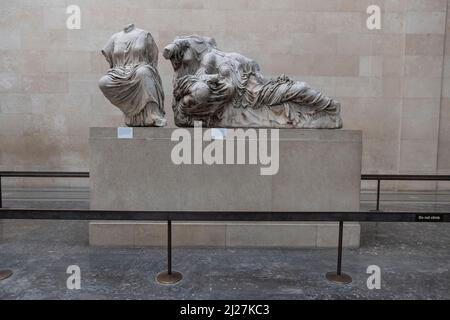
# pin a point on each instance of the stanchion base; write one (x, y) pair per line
(5, 274)
(375, 210)
(341, 278)
(166, 278)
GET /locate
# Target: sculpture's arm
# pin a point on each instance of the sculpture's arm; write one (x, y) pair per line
(211, 78)
(108, 51)
(203, 74)
(152, 50)
(208, 69)
(209, 63)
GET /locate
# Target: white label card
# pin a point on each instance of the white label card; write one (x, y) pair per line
(125, 133)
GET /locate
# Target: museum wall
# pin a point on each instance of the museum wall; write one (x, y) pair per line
(393, 83)
(444, 125)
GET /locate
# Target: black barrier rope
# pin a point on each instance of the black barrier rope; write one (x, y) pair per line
(171, 277)
(104, 215)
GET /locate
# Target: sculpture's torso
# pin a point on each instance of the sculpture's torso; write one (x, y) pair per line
(131, 48)
(133, 83)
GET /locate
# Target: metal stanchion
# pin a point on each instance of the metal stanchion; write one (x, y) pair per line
(378, 196)
(1, 199)
(169, 277)
(4, 274)
(338, 276)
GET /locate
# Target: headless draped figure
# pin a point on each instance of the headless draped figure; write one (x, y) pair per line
(223, 89)
(133, 83)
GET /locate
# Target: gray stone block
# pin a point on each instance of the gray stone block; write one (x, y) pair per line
(327, 235)
(274, 234)
(205, 234)
(319, 171)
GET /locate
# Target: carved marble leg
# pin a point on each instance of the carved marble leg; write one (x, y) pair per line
(150, 116)
(155, 116)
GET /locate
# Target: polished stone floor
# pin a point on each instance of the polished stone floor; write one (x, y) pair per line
(414, 260)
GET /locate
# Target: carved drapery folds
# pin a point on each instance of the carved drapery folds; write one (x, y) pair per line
(227, 90)
(133, 83)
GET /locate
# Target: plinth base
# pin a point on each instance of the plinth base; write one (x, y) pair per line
(339, 278)
(166, 278)
(5, 274)
(313, 170)
(223, 235)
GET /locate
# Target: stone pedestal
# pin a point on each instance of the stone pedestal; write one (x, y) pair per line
(319, 170)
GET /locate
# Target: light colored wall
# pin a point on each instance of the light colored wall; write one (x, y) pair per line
(392, 82)
(444, 124)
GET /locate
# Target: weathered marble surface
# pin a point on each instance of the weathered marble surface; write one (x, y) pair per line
(133, 83)
(227, 90)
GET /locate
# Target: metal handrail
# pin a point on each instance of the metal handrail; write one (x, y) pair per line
(401, 177)
(44, 174)
(406, 177)
(82, 174)
(39, 174)
(368, 177)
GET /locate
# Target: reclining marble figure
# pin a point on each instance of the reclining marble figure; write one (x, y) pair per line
(133, 83)
(223, 89)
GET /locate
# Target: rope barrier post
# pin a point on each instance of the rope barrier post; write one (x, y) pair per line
(378, 196)
(1, 199)
(169, 277)
(4, 274)
(338, 276)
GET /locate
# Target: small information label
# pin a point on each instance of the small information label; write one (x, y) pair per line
(429, 218)
(124, 133)
(219, 134)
